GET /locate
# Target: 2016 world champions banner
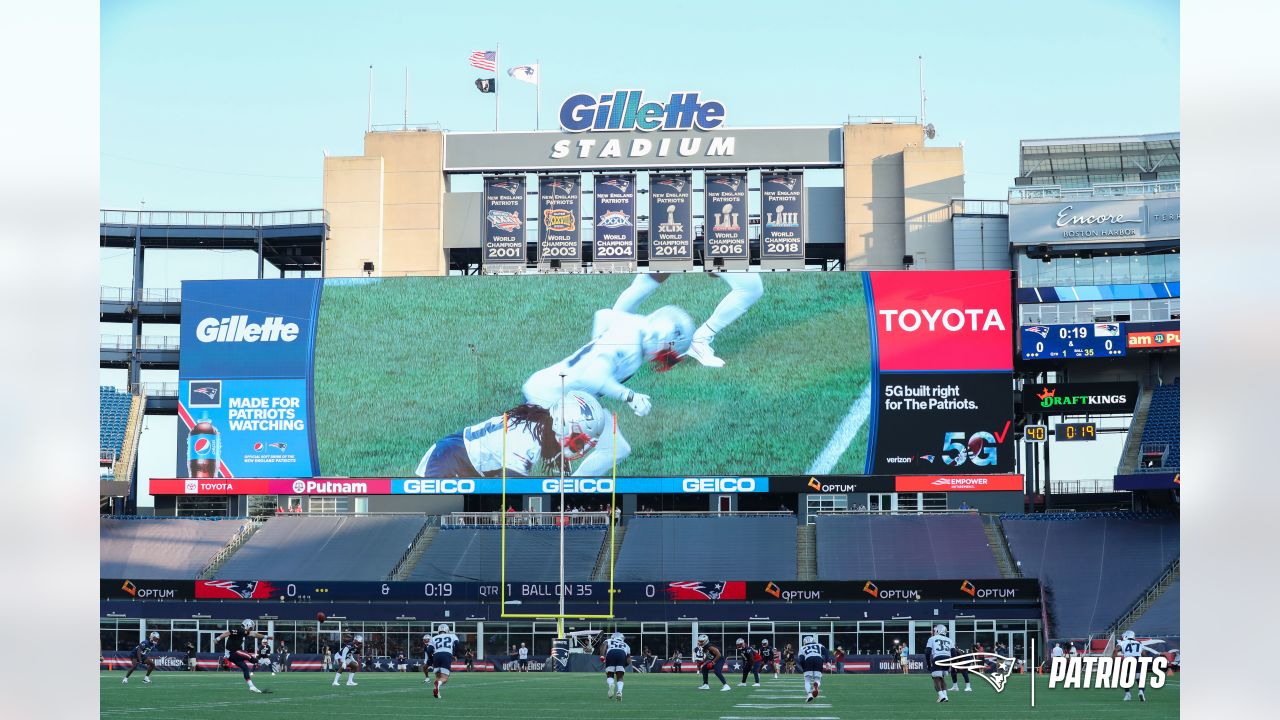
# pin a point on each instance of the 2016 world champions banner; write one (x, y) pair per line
(782, 215)
(671, 216)
(559, 218)
(504, 231)
(725, 218)
(614, 236)
(361, 377)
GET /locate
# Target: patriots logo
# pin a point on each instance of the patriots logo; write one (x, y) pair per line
(991, 667)
(510, 186)
(253, 590)
(676, 183)
(561, 184)
(621, 183)
(926, 458)
(785, 181)
(209, 391)
(1041, 330)
(730, 181)
(278, 446)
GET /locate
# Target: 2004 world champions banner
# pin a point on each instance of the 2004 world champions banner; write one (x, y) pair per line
(820, 372)
(614, 236)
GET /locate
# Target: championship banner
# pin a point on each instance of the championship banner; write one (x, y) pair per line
(725, 216)
(560, 218)
(782, 215)
(671, 216)
(504, 236)
(614, 231)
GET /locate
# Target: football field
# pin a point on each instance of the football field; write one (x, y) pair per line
(557, 696)
(403, 362)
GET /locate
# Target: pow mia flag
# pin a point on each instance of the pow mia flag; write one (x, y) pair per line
(486, 85)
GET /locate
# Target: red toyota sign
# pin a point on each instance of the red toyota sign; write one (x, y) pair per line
(958, 483)
(943, 320)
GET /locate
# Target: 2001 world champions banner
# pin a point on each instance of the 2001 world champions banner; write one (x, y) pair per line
(725, 215)
(614, 236)
(782, 214)
(671, 216)
(504, 231)
(559, 218)
(824, 374)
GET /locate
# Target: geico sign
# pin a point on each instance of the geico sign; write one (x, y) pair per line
(444, 486)
(237, 328)
(718, 485)
(952, 319)
(578, 485)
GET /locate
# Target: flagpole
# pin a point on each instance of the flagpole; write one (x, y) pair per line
(537, 113)
(497, 96)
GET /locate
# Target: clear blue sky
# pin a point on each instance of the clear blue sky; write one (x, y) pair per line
(230, 105)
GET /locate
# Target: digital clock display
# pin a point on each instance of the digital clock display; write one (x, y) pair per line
(1075, 432)
(1086, 340)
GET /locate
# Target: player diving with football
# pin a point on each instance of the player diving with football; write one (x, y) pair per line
(744, 290)
(537, 436)
(620, 344)
(617, 656)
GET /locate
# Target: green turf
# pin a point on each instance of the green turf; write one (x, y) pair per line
(405, 361)
(559, 696)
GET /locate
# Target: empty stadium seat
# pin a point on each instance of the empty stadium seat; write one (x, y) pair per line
(1164, 424)
(339, 547)
(903, 547)
(533, 554)
(147, 548)
(708, 548)
(113, 416)
(1164, 617)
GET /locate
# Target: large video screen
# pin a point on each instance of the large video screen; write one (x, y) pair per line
(726, 374)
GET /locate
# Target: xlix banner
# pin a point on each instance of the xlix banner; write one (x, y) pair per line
(560, 218)
(504, 220)
(671, 217)
(615, 217)
(782, 215)
(725, 215)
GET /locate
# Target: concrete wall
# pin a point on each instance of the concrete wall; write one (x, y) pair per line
(874, 208)
(931, 177)
(980, 243)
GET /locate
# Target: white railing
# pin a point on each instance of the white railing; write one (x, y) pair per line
(864, 511)
(715, 513)
(156, 389)
(1083, 487)
(965, 206)
(1101, 190)
(106, 456)
(206, 218)
(124, 294)
(523, 519)
(146, 342)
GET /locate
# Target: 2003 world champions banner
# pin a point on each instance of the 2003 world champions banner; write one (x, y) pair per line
(824, 373)
(559, 217)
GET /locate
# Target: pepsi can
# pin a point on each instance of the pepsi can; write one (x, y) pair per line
(203, 450)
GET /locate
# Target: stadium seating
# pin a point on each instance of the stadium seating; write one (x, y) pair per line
(1164, 423)
(113, 413)
(533, 554)
(1094, 566)
(1163, 617)
(708, 548)
(144, 548)
(903, 547)
(340, 547)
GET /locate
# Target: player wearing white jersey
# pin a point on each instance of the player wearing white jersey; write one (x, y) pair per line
(744, 290)
(442, 645)
(1129, 647)
(535, 438)
(811, 657)
(620, 344)
(938, 648)
(617, 656)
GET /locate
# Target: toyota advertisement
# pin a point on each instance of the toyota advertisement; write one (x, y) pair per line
(709, 376)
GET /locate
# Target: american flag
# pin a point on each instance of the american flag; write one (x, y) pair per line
(485, 60)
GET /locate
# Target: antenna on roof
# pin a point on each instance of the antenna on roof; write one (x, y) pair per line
(920, 63)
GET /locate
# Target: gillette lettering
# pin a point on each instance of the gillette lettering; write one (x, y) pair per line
(237, 328)
(953, 319)
(623, 110)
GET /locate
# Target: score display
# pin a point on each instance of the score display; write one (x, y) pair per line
(1035, 433)
(1075, 432)
(1085, 340)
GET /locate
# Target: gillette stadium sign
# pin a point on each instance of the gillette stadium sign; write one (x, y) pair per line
(627, 129)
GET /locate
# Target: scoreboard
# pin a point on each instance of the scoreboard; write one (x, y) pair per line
(1085, 340)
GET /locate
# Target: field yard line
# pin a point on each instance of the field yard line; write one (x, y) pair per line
(775, 706)
(844, 434)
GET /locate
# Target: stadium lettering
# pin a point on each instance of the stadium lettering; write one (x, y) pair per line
(432, 486)
(953, 319)
(716, 485)
(237, 328)
(156, 593)
(722, 146)
(622, 110)
(1095, 672)
(1066, 218)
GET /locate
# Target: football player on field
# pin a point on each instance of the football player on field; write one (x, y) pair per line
(620, 344)
(938, 648)
(1129, 647)
(744, 290)
(442, 646)
(140, 658)
(535, 439)
(768, 658)
(751, 661)
(710, 659)
(617, 656)
(237, 653)
(348, 658)
(812, 656)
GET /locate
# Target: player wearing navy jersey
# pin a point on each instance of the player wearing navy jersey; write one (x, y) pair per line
(442, 645)
(617, 656)
(427, 652)
(1129, 647)
(238, 653)
(938, 648)
(768, 658)
(812, 656)
(710, 659)
(751, 660)
(264, 656)
(140, 657)
(348, 658)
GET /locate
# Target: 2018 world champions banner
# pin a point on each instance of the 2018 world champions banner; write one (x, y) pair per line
(824, 373)
(614, 232)
(725, 217)
(559, 218)
(671, 216)
(504, 231)
(782, 210)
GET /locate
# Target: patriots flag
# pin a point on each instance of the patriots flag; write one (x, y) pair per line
(486, 85)
(525, 73)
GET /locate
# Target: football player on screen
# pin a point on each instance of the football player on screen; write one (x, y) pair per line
(620, 344)
(536, 439)
(744, 290)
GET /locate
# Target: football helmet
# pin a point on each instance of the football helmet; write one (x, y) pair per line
(740, 642)
(1128, 635)
(359, 639)
(764, 642)
(667, 336)
(703, 639)
(425, 638)
(442, 628)
(247, 624)
(809, 640)
(153, 636)
(940, 629)
(616, 636)
(578, 422)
